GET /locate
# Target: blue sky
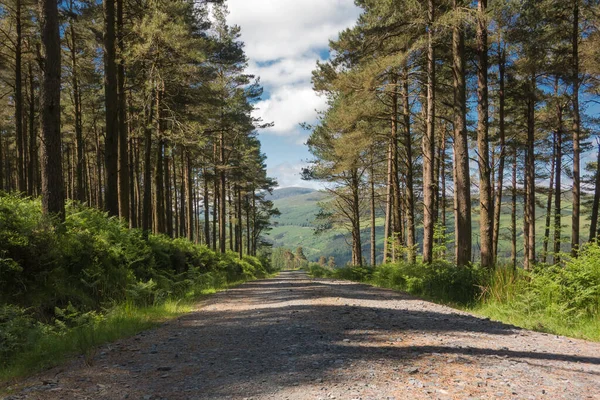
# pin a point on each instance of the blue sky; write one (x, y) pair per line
(284, 39)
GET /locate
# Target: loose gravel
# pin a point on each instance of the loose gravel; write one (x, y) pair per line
(293, 337)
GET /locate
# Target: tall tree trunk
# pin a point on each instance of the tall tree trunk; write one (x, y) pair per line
(530, 175)
(33, 149)
(79, 144)
(408, 166)
(123, 177)
(53, 194)
(388, 205)
(502, 134)
(397, 207)
(111, 143)
(576, 135)
(486, 211)
(356, 239)
(230, 216)
(429, 144)
(513, 213)
(168, 191)
(99, 170)
(558, 185)
(549, 204)
(239, 223)
(373, 227)
(147, 209)
(206, 209)
(223, 194)
(215, 210)
(133, 163)
(19, 132)
(462, 178)
(596, 203)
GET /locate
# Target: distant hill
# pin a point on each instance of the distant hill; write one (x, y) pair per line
(295, 226)
(289, 192)
(299, 207)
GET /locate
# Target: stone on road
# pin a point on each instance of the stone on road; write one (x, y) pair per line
(292, 337)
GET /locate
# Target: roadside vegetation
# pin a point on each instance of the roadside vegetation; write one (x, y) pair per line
(67, 288)
(563, 300)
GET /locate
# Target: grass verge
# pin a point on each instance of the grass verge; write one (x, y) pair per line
(49, 349)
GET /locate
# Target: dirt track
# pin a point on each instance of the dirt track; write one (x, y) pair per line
(296, 338)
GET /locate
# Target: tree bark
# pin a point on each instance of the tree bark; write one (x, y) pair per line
(486, 211)
(596, 203)
(462, 178)
(576, 135)
(123, 177)
(558, 185)
(409, 177)
(19, 132)
(32, 183)
(513, 213)
(502, 134)
(530, 175)
(53, 194)
(549, 204)
(111, 143)
(147, 209)
(373, 227)
(429, 144)
(397, 207)
(223, 194)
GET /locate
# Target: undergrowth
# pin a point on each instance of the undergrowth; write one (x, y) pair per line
(65, 289)
(561, 299)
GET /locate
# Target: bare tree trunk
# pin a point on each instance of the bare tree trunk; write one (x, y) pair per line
(549, 204)
(19, 132)
(53, 194)
(33, 149)
(558, 185)
(462, 180)
(486, 211)
(147, 209)
(388, 205)
(429, 144)
(187, 204)
(239, 223)
(502, 134)
(513, 214)
(168, 192)
(123, 176)
(410, 193)
(215, 210)
(99, 171)
(223, 194)
(396, 208)
(111, 142)
(576, 135)
(596, 203)
(206, 210)
(356, 239)
(373, 227)
(530, 176)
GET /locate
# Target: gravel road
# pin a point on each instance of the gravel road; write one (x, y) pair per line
(293, 337)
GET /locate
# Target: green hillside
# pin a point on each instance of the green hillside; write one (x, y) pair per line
(299, 206)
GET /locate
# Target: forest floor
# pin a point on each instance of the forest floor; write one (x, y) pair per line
(292, 337)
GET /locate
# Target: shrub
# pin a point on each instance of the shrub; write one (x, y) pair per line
(58, 279)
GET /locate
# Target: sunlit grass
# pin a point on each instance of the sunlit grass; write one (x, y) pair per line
(49, 349)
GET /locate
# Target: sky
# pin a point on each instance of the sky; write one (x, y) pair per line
(283, 41)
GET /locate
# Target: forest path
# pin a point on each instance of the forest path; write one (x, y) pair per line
(292, 337)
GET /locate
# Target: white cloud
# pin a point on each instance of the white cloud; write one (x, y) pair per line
(285, 71)
(289, 106)
(288, 175)
(274, 29)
